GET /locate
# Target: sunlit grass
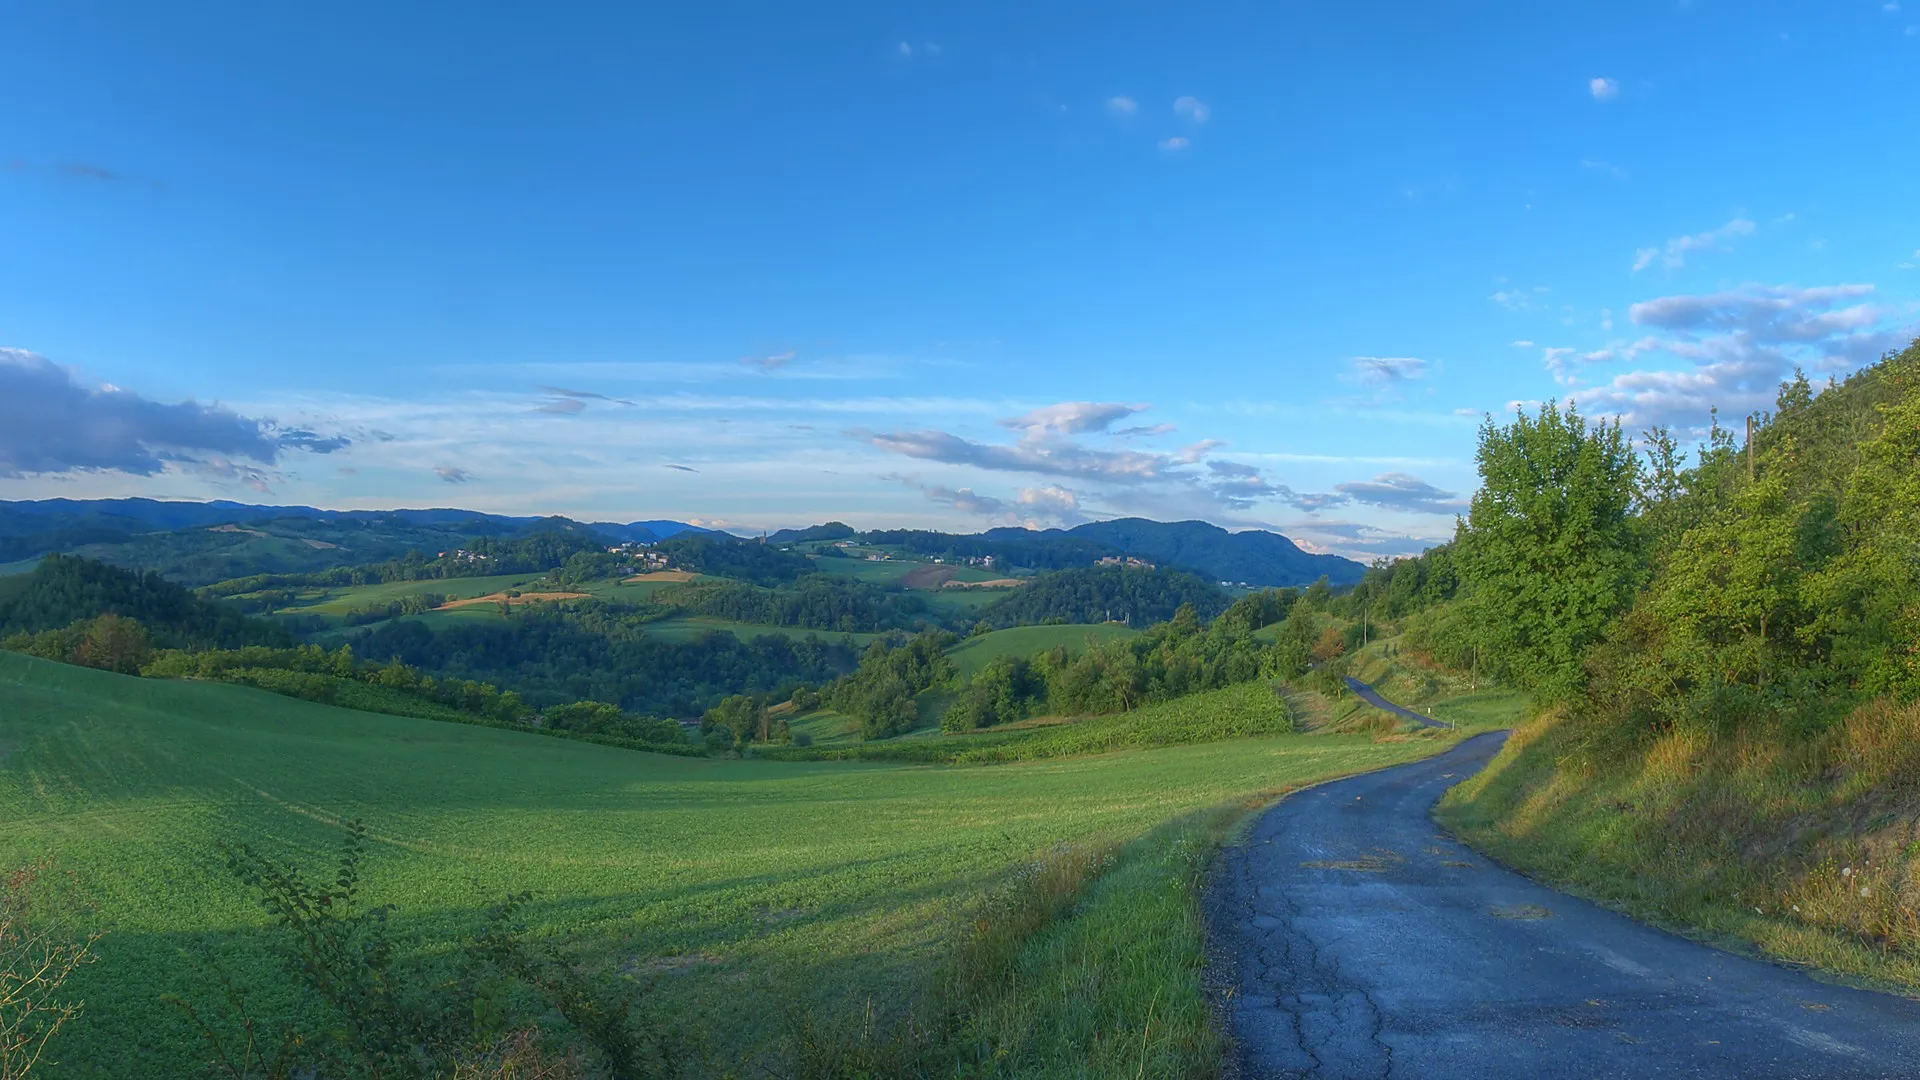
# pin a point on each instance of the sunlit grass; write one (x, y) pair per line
(748, 886)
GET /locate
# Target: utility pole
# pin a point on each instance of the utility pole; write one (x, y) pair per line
(1749, 447)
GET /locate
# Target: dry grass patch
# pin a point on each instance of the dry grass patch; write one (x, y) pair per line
(659, 575)
(500, 598)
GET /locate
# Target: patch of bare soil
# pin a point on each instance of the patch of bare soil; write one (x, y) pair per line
(928, 577)
(996, 583)
(659, 575)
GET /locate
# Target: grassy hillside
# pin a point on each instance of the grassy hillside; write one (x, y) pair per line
(975, 652)
(757, 885)
(334, 603)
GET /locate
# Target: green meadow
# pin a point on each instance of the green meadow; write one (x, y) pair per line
(750, 888)
(335, 603)
(977, 652)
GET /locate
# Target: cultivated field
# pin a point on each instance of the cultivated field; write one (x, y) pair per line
(910, 573)
(335, 603)
(752, 888)
(976, 652)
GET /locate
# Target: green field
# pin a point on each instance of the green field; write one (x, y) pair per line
(891, 571)
(757, 884)
(335, 603)
(977, 652)
(687, 627)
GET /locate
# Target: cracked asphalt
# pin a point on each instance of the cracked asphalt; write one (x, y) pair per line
(1355, 939)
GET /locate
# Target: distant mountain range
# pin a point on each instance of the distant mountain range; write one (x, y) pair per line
(198, 542)
(1253, 557)
(31, 528)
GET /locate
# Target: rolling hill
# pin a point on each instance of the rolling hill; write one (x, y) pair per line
(37, 527)
(862, 876)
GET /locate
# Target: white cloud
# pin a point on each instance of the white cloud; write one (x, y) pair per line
(1741, 343)
(903, 49)
(1192, 108)
(1402, 491)
(1177, 143)
(1122, 105)
(1071, 418)
(1612, 170)
(54, 423)
(1678, 248)
(1603, 89)
(1517, 299)
(1523, 344)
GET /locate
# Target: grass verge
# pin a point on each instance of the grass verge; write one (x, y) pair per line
(1804, 849)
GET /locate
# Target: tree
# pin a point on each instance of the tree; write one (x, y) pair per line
(1550, 550)
(35, 963)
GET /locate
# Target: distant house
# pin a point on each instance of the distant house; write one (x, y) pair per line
(1127, 561)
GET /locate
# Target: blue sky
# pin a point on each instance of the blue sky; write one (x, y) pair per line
(936, 265)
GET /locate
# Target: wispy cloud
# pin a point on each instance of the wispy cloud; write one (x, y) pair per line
(1402, 491)
(1193, 109)
(1603, 89)
(1175, 144)
(770, 363)
(1122, 105)
(1678, 248)
(1071, 418)
(452, 474)
(1386, 370)
(1033, 507)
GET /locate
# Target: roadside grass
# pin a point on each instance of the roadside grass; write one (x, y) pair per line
(743, 888)
(1804, 849)
(1113, 986)
(1405, 678)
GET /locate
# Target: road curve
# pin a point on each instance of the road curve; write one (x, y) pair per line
(1372, 697)
(1356, 940)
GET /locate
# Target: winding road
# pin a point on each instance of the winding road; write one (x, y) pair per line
(1372, 697)
(1357, 940)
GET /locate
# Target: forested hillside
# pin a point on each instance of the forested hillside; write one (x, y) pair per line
(63, 590)
(1727, 653)
(1139, 597)
(1253, 556)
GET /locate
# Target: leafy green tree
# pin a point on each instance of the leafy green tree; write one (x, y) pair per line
(1550, 551)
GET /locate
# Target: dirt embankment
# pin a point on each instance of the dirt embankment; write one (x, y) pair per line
(996, 583)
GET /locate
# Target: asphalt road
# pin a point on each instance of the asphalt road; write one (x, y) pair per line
(1372, 697)
(1358, 940)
